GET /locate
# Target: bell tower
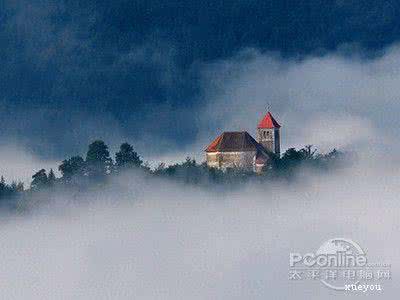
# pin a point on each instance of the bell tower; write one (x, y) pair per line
(269, 135)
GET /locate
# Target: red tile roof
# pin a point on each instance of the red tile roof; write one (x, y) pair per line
(268, 122)
(233, 141)
(214, 144)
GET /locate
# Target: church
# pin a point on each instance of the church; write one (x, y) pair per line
(238, 149)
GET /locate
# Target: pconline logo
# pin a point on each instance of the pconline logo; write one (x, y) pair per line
(338, 263)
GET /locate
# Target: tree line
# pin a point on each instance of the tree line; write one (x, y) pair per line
(98, 166)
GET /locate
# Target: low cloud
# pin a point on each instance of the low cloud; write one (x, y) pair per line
(332, 100)
(151, 239)
(16, 164)
(343, 132)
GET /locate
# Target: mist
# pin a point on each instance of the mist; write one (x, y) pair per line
(17, 164)
(148, 238)
(331, 100)
(168, 77)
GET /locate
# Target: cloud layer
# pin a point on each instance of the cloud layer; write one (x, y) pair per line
(328, 101)
(71, 72)
(17, 164)
(331, 101)
(154, 240)
(90, 75)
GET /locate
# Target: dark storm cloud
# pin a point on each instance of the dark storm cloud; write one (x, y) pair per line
(73, 71)
(62, 73)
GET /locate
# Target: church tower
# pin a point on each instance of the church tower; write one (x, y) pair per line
(268, 134)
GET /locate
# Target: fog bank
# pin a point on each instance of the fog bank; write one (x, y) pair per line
(156, 240)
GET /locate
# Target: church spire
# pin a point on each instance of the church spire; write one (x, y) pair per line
(268, 134)
(268, 122)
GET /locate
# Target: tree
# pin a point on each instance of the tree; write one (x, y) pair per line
(39, 180)
(51, 178)
(98, 161)
(160, 169)
(17, 187)
(8, 191)
(73, 167)
(308, 152)
(293, 155)
(127, 158)
(3, 187)
(2, 183)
